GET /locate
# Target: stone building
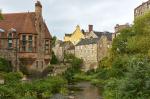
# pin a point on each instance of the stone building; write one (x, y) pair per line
(61, 48)
(71, 50)
(27, 34)
(92, 50)
(142, 9)
(58, 50)
(118, 28)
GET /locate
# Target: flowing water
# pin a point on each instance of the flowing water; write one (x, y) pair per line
(82, 90)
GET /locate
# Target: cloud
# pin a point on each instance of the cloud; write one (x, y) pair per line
(62, 16)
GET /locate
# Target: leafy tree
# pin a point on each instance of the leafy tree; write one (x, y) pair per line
(1, 17)
(76, 64)
(54, 59)
(53, 41)
(129, 74)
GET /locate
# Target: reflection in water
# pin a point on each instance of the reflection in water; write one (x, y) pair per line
(82, 90)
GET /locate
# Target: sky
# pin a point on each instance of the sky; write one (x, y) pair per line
(62, 16)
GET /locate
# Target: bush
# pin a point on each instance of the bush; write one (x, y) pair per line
(135, 82)
(5, 65)
(13, 77)
(38, 89)
(54, 59)
(76, 64)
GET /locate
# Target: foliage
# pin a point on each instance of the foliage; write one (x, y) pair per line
(38, 89)
(137, 80)
(54, 38)
(134, 84)
(126, 73)
(5, 66)
(120, 43)
(76, 64)
(1, 17)
(54, 59)
(13, 77)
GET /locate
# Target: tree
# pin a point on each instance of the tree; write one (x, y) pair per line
(54, 59)
(129, 75)
(54, 38)
(1, 17)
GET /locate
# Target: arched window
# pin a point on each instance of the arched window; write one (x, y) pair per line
(10, 40)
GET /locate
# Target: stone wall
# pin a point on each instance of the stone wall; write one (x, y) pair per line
(142, 9)
(9, 55)
(89, 55)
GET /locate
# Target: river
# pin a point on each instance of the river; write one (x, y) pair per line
(82, 90)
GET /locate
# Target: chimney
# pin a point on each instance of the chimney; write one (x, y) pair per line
(90, 28)
(38, 8)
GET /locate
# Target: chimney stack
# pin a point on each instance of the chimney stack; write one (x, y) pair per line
(90, 28)
(38, 8)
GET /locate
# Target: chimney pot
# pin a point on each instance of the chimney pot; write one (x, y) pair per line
(90, 28)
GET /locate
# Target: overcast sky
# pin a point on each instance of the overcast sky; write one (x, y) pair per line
(62, 16)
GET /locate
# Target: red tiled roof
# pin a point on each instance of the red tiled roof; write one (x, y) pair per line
(47, 33)
(22, 22)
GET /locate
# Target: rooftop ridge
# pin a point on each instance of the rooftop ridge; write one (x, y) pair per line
(16, 13)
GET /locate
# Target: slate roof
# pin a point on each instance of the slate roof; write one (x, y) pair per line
(22, 22)
(107, 34)
(62, 44)
(88, 41)
(99, 34)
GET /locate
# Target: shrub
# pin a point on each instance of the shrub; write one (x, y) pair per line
(37, 89)
(5, 65)
(76, 64)
(54, 59)
(13, 77)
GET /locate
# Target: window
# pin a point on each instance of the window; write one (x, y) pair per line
(47, 46)
(10, 40)
(35, 42)
(24, 42)
(30, 43)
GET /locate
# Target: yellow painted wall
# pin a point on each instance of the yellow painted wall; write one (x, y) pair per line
(76, 36)
(67, 38)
